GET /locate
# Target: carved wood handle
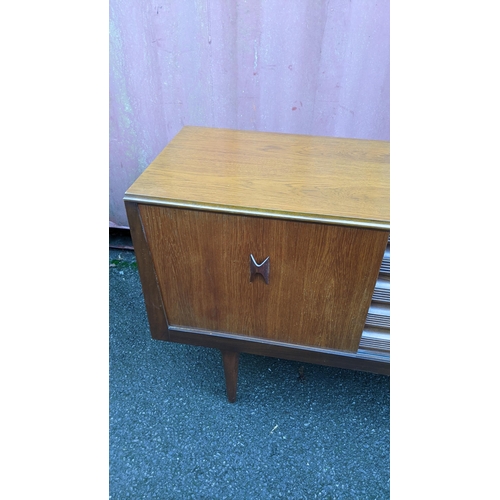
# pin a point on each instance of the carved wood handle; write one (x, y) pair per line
(262, 269)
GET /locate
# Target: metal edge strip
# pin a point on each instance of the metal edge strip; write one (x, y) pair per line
(341, 221)
(360, 354)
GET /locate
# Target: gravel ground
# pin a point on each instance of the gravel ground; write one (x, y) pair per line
(173, 435)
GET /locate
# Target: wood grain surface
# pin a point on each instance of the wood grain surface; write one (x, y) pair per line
(152, 294)
(331, 180)
(321, 277)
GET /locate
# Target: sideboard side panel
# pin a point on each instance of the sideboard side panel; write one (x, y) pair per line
(152, 295)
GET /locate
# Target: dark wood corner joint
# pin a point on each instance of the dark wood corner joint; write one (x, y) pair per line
(262, 269)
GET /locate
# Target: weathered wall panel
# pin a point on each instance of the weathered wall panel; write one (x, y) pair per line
(309, 67)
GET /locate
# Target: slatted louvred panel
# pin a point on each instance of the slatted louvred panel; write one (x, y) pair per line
(385, 268)
(382, 291)
(375, 340)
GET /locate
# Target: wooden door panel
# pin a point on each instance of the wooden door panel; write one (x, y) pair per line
(321, 276)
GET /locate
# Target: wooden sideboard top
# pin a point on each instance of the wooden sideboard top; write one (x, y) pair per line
(298, 177)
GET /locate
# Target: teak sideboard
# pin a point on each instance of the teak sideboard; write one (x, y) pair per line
(263, 243)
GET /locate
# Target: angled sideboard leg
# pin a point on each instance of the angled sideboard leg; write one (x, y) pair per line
(230, 360)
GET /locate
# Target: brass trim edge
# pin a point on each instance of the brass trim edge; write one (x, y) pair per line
(276, 214)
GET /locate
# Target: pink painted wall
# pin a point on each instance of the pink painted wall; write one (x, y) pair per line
(304, 66)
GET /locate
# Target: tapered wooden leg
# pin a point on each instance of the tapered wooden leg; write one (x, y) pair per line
(230, 360)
